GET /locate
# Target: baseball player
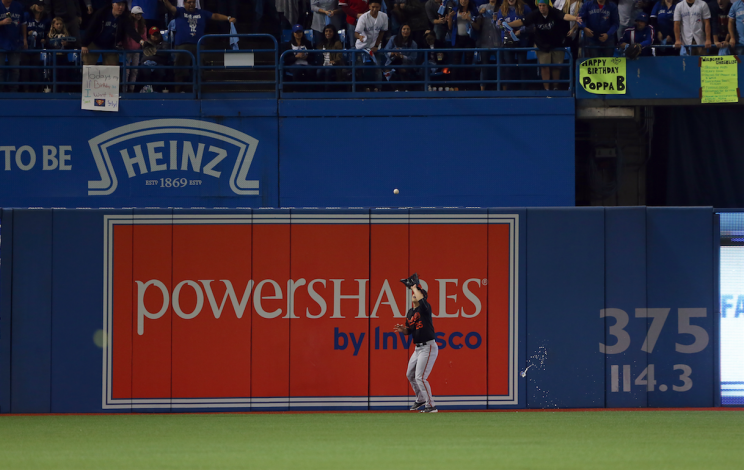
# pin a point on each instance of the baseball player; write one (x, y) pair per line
(419, 325)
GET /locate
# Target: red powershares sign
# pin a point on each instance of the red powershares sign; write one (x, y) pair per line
(272, 311)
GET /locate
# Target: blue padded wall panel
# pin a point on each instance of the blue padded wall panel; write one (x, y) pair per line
(77, 299)
(680, 278)
(716, 234)
(565, 276)
(521, 301)
(32, 312)
(447, 178)
(6, 267)
(625, 291)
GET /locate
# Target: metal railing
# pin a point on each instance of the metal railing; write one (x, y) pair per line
(59, 74)
(487, 64)
(476, 69)
(272, 67)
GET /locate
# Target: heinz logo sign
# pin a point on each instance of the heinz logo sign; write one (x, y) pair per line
(271, 309)
(173, 153)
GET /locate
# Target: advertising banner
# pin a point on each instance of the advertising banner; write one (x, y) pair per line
(123, 162)
(269, 310)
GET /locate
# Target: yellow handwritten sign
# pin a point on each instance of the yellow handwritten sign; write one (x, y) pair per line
(604, 76)
(719, 79)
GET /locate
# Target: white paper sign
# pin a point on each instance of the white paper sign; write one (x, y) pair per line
(101, 88)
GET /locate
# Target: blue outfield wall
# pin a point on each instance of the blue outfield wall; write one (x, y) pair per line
(616, 306)
(289, 153)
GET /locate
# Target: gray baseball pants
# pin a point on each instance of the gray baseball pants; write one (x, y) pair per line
(419, 367)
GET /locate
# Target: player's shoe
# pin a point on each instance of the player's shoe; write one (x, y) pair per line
(417, 405)
(430, 409)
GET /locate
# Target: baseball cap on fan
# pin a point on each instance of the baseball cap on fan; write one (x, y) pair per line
(296, 28)
(137, 10)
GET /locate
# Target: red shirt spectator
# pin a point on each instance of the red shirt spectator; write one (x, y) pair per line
(353, 9)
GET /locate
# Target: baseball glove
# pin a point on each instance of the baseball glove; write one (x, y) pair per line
(411, 281)
(149, 49)
(632, 51)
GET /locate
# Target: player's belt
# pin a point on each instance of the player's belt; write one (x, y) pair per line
(424, 343)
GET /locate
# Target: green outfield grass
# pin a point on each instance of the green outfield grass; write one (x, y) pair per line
(380, 441)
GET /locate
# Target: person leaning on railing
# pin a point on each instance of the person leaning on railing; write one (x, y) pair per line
(600, 23)
(547, 38)
(191, 22)
(369, 32)
(736, 27)
(719, 11)
(637, 40)
(662, 18)
(692, 26)
(107, 28)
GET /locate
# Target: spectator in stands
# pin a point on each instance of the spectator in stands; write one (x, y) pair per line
(288, 10)
(133, 59)
(736, 27)
(663, 15)
(490, 38)
(69, 11)
(401, 54)
(692, 26)
(354, 9)
(331, 60)
(190, 25)
(547, 38)
(719, 10)
(58, 40)
(37, 27)
(325, 12)
(642, 34)
(12, 39)
(437, 60)
(149, 12)
(573, 7)
(369, 33)
(627, 10)
(463, 25)
(563, 26)
(600, 22)
(298, 42)
(510, 11)
(160, 59)
(414, 14)
(438, 20)
(107, 28)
